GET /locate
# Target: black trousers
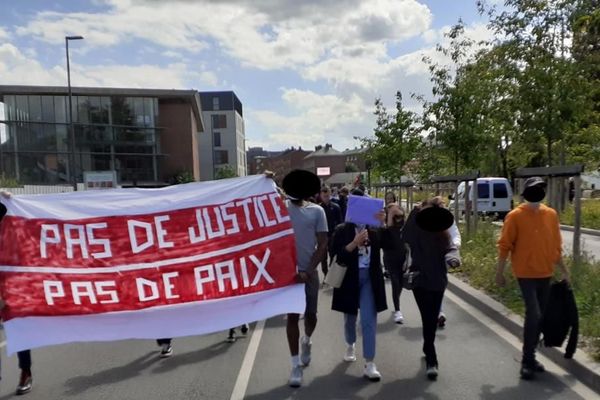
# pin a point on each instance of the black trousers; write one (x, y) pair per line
(429, 303)
(160, 342)
(24, 359)
(535, 292)
(396, 278)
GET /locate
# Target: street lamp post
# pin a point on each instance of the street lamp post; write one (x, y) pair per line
(71, 127)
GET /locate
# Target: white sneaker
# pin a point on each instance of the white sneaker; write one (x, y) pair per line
(350, 355)
(296, 377)
(398, 317)
(305, 354)
(370, 372)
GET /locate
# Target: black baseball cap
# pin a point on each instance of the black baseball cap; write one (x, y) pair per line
(533, 182)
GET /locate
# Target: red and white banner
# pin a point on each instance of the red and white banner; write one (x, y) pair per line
(145, 263)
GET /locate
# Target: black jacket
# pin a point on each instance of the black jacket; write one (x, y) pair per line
(561, 315)
(333, 212)
(394, 248)
(430, 254)
(346, 299)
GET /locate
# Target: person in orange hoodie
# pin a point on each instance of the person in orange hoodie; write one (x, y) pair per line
(531, 235)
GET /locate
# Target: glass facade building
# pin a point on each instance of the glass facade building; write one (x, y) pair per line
(112, 132)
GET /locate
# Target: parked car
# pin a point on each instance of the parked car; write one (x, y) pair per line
(494, 197)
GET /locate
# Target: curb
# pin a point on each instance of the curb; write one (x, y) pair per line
(581, 366)
(587, 231)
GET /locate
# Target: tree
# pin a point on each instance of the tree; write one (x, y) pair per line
(395, 142)
(225, 172)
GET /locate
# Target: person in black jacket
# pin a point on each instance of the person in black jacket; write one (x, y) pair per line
(394, 254)
(363, 288)
(333, 212)
(432, 252)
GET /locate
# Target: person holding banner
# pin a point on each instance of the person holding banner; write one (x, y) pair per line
(26, 380)
(432, 252)
(357, 247)
(310, 231)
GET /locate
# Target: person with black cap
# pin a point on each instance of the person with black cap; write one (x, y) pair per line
(26, 380)
(362, 290)
(310, 231)
(531, 235)
(431, 253)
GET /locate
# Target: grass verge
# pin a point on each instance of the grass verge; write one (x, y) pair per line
(479, 268)
(590, 214)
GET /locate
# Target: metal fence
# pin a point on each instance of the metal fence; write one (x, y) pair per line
(39, 189)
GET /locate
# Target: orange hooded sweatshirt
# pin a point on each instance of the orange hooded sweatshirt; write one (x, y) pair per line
(532, 237)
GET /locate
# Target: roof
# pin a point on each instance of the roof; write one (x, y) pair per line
(192, 95)
(343, 178)
(359, 150)
(324, 152)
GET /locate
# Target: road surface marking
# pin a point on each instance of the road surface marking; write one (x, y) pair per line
(571, 382)
(243, 378)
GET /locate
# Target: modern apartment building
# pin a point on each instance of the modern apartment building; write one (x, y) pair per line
(146, 136)
(222, 144)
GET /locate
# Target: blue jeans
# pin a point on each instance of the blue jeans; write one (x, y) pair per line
(368, 317)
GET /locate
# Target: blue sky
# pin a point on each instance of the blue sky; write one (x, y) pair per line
(307, 71)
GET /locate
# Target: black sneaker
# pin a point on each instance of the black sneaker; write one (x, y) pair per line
(166, 350)
(538, 367)
(527, 372)
(25, 383)
(244, 329)
(231, 336)
(432, 372)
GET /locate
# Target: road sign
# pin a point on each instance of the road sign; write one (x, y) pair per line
(323, 171)
(94, 180)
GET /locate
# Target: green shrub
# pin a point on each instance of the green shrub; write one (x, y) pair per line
(479, 268)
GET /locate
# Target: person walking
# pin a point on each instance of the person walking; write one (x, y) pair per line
(432, 252)
(310, 232)
(531, 236)
(26, 379)
(333, 213)
(394, 254)
(343, 201)
(363, 289)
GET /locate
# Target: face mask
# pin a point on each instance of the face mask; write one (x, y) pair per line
(534, 194)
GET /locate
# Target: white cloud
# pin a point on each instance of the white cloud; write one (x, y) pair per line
(4, 35)
(313, 119)
(263, 34)
(19, 69)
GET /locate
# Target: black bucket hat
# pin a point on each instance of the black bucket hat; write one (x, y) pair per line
(533, 182)
(300, 184)
(434, 219)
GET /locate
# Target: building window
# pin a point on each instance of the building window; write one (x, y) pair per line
(221, 157)
(216, 139)
(219, 121)
(216, 104)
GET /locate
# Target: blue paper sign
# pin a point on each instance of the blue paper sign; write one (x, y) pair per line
(363, 210)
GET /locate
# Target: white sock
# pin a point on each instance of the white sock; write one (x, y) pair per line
(295, 361)
(306, 339)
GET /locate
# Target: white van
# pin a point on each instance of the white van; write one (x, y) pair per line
(494, 197)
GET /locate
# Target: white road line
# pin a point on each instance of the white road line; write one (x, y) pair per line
(573, 384)
(243, 378)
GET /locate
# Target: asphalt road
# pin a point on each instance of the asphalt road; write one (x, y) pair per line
(589, 244)
(478, 360)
